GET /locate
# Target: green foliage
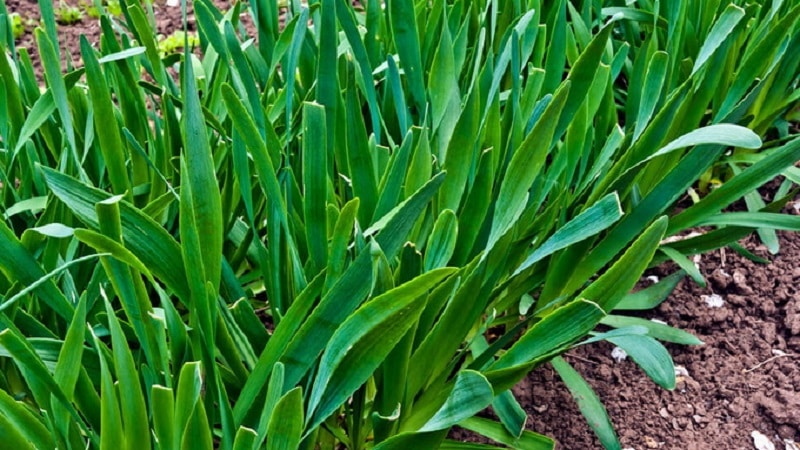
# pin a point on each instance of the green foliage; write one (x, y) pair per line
(67, 14)
(17, 25)
(174, 43)
(381, 186)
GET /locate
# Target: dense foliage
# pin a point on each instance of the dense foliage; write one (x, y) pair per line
(422, 200)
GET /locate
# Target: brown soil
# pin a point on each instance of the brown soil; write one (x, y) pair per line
(745, 378)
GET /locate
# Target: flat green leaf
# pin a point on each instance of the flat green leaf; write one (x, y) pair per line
(286, 426)
(651, 356)
(417, 441)
(651, 296)
(496, 432)
(588, 403)
(593, 220)
(404, 29)
(655, 329)
(510, 412)
(554, 332)
(685, 264)
(132, 401)
(124, 54)
(653, 84)
(54, 230)
(199, 181)
(524, 167)
(615, 283)
(749, 179)
(108, 134)
(315, 182)
(722, 28)
(471, 394)
(44, 107)
(245, 439)
(364, 340)
(112, 434)
(190, 386)
(442, 241)
(163, 417)
(754, 220)
(25, 423)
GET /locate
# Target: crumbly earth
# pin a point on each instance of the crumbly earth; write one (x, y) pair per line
(745, 378)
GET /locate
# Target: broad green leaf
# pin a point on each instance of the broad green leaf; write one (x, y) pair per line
(131, 399)
(749, 179)
(722, 28)
(510, 412)
(554, 332)
(199, 181)
(417, 441)
(109, 138)
(445, 98)
(655, 329)
(722, 134)
(20, 419)
(593, 220)
(442, 241)
(651, 296)
(653, 84)
(524, 167)
(187, 397)
(163, 417)
(496, 432)
(615, 283)
(588, 403)
(245, 439)
(471, 393)
(754, 220)
(406, 37)
(112, 434)
(315, 182)
(286, 426)
(44, 107)
(69, 365)
(651, 356)
(364, 340)
(685, 264)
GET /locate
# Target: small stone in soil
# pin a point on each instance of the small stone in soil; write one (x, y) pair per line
(713, 300)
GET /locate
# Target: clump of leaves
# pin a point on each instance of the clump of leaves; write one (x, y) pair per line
(112, 6)
(175, 42)
(17, 25)
(68, 14)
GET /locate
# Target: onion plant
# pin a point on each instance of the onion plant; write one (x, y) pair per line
(360, 227)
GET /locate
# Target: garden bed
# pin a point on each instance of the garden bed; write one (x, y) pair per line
(744, 379)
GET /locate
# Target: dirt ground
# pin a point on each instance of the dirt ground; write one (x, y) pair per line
(744, 379)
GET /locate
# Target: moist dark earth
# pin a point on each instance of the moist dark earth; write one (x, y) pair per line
(744, 379)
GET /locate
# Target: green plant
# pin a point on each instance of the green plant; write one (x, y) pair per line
(383, 187)
(94, 9)
(67, 14)
(17, 25)
(174, 43)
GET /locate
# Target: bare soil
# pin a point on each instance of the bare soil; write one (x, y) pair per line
(745, 378)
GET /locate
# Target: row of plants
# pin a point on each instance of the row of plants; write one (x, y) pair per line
(422, 200)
